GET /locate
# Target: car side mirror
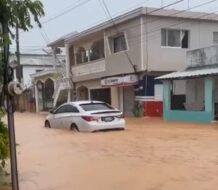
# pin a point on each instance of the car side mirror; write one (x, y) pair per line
(51, 111)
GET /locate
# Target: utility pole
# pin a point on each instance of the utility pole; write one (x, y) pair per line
(19, 73)
(18, 55)
(8, 77)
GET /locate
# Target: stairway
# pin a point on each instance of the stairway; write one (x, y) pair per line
(62, 83)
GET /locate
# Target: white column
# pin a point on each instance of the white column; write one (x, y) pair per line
(36, 98)
(115, 97)
(54, 57)
(142, 41)
(121, 99)
(106, 45)
(67, 48)
(67, 66)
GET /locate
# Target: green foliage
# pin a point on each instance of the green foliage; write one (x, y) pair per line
(17, 13)
(4, 144)
(20, 13)
(138, 109)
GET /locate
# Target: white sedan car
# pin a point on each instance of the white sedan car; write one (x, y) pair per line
(85, 116)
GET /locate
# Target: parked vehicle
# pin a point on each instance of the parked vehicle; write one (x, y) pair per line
(85, 116)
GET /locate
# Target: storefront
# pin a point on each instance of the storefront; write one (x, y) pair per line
(122, 92)
(101, 94)
(118, 91)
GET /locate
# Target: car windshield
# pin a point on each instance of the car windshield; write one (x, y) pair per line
(95, 106)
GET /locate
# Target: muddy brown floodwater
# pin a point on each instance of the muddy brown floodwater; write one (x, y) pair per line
(150, 155)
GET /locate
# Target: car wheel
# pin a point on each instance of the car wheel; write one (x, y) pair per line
(47, 124)
(74, 127)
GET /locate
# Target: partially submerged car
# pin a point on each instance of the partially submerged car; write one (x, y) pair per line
(85, 116)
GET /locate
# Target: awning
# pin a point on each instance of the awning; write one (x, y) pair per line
(127, 80)
(190, 73)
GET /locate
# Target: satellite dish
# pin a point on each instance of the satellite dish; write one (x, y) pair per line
(13, 64)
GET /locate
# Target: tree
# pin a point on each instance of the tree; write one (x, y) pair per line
(17, 13)
(20, 14)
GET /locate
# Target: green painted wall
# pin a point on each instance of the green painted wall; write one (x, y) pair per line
(193, 116)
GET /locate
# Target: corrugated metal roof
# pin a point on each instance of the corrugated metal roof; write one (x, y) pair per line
(190, 74)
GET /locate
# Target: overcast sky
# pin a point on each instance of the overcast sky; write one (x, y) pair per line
(82, 14)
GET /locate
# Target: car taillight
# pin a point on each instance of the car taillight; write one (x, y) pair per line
(89, 118)
(120, 116)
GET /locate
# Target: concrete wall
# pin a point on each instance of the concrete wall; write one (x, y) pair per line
(195, 91)
(169, 58)
(28, 70)
(89, 84)
(115, 97)
(179, 87)
(202, 57)
(118, 63)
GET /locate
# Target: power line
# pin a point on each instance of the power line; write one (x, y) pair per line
(64, 12)
(44, 36)
(67, 11)
(115, 26)
(103, 20)
(176, 13)
(169, 15)
(177, 24)
(107, 12)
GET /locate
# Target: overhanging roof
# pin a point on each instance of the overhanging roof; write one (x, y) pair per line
(60, 42)
(133, 14)
(45, 73)
(194, 73)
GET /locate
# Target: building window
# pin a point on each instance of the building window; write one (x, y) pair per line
(118, 43)
(215, 37)
(97, 50)
(94, 53)
(175, 38)
(81, 56)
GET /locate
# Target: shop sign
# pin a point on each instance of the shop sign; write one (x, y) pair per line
(119, 81)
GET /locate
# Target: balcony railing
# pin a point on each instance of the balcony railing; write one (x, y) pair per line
(89, 68)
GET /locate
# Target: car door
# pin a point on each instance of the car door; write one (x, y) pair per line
(59, 117)
(70, 116)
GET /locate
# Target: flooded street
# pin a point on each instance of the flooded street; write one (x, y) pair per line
(149, 155)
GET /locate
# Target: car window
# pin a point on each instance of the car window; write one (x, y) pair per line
(95, 106)
(62, 109)
(71, 109)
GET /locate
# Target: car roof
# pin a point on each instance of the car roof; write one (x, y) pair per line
(83, 102)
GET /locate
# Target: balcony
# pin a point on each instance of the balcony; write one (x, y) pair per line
(202, 57)
(96, 66)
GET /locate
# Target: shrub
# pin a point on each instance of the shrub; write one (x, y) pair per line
(138, 109)
(4, 144)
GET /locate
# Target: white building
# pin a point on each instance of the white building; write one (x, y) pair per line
(144, 43)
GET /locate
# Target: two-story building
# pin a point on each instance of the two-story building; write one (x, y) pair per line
(117, 61)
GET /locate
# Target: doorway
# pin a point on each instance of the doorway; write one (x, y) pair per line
(102, 94)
